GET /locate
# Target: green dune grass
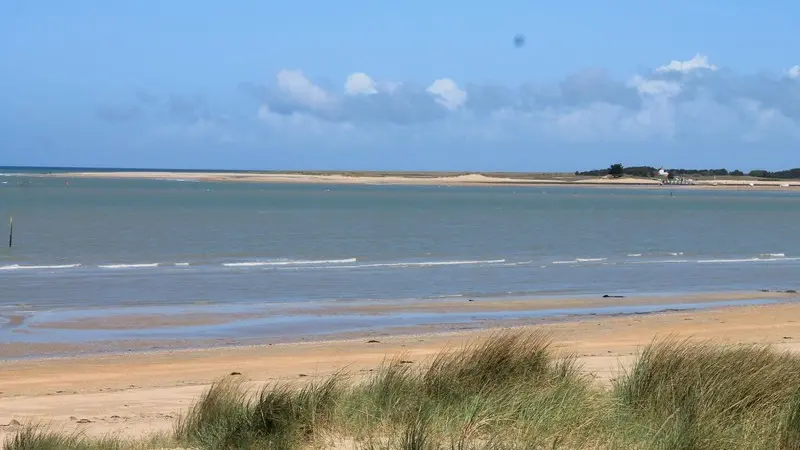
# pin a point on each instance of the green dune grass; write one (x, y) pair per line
(511, 392)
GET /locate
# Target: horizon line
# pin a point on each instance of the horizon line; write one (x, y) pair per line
(312, 171)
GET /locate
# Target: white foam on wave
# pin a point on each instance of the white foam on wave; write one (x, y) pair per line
(745, 260)
(772, 255)
(423, 264)
(54, 267)
(289, 262)
(634, 255)
(581, 260)
(182, 264)
(663, 261)
(675, 253)
(518, 263)
(128, 266)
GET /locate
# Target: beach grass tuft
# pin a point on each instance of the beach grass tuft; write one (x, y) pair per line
(229, 416)
(509, 391)
(40, 436)
(703, 395)
(790, 426)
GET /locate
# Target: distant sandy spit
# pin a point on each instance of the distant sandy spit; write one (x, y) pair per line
(138, 393)
(429, 179)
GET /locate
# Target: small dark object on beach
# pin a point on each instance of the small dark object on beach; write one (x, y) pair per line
(302, 375)
(613, 296)
(373, 341)
(470, 300)
(790, 291)
(235, 373)
(405, 361)
(84, 421)
(765, 290)
(787, 337)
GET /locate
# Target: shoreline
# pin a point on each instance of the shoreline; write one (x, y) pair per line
(425, 179)
(133, 394)
(127, 330)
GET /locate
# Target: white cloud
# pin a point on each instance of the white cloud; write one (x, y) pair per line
(765, 122)
(447, 93)
(588, 106)
(794, 72)
(655, 87)
(360, 83)
(698, 62)
(296, 85)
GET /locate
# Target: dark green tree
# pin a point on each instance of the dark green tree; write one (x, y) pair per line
(616, 170)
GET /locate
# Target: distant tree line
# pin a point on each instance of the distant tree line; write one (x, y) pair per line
(783, 174)
(618, 170)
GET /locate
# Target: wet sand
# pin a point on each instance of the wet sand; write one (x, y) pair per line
(133, 329)
(438, 179)
(140, 393)
(139, 321)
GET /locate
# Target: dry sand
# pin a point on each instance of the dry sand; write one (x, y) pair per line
(427, 179)
(135, 394)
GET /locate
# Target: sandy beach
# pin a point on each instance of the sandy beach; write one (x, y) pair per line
(429, 179)
(139, 393)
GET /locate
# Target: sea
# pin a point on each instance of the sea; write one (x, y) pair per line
(94, 244)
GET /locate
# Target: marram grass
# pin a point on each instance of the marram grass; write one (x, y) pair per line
(511, 391)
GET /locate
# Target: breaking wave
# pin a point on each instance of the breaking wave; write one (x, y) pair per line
(128, 266)
(289, 262)
(423, 264)
(581, 260)
(54, 267)
(356, 263)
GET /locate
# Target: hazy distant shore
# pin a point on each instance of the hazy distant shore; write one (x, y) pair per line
(428, 178)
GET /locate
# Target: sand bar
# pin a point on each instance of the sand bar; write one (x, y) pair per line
(432, 178)
(138, 393)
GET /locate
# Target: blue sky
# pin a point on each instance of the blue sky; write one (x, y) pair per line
(407, 85)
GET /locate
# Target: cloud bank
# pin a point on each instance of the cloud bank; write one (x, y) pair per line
(678, 99)
(674, 111)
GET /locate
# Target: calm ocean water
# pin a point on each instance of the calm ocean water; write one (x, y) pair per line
(101, 243)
